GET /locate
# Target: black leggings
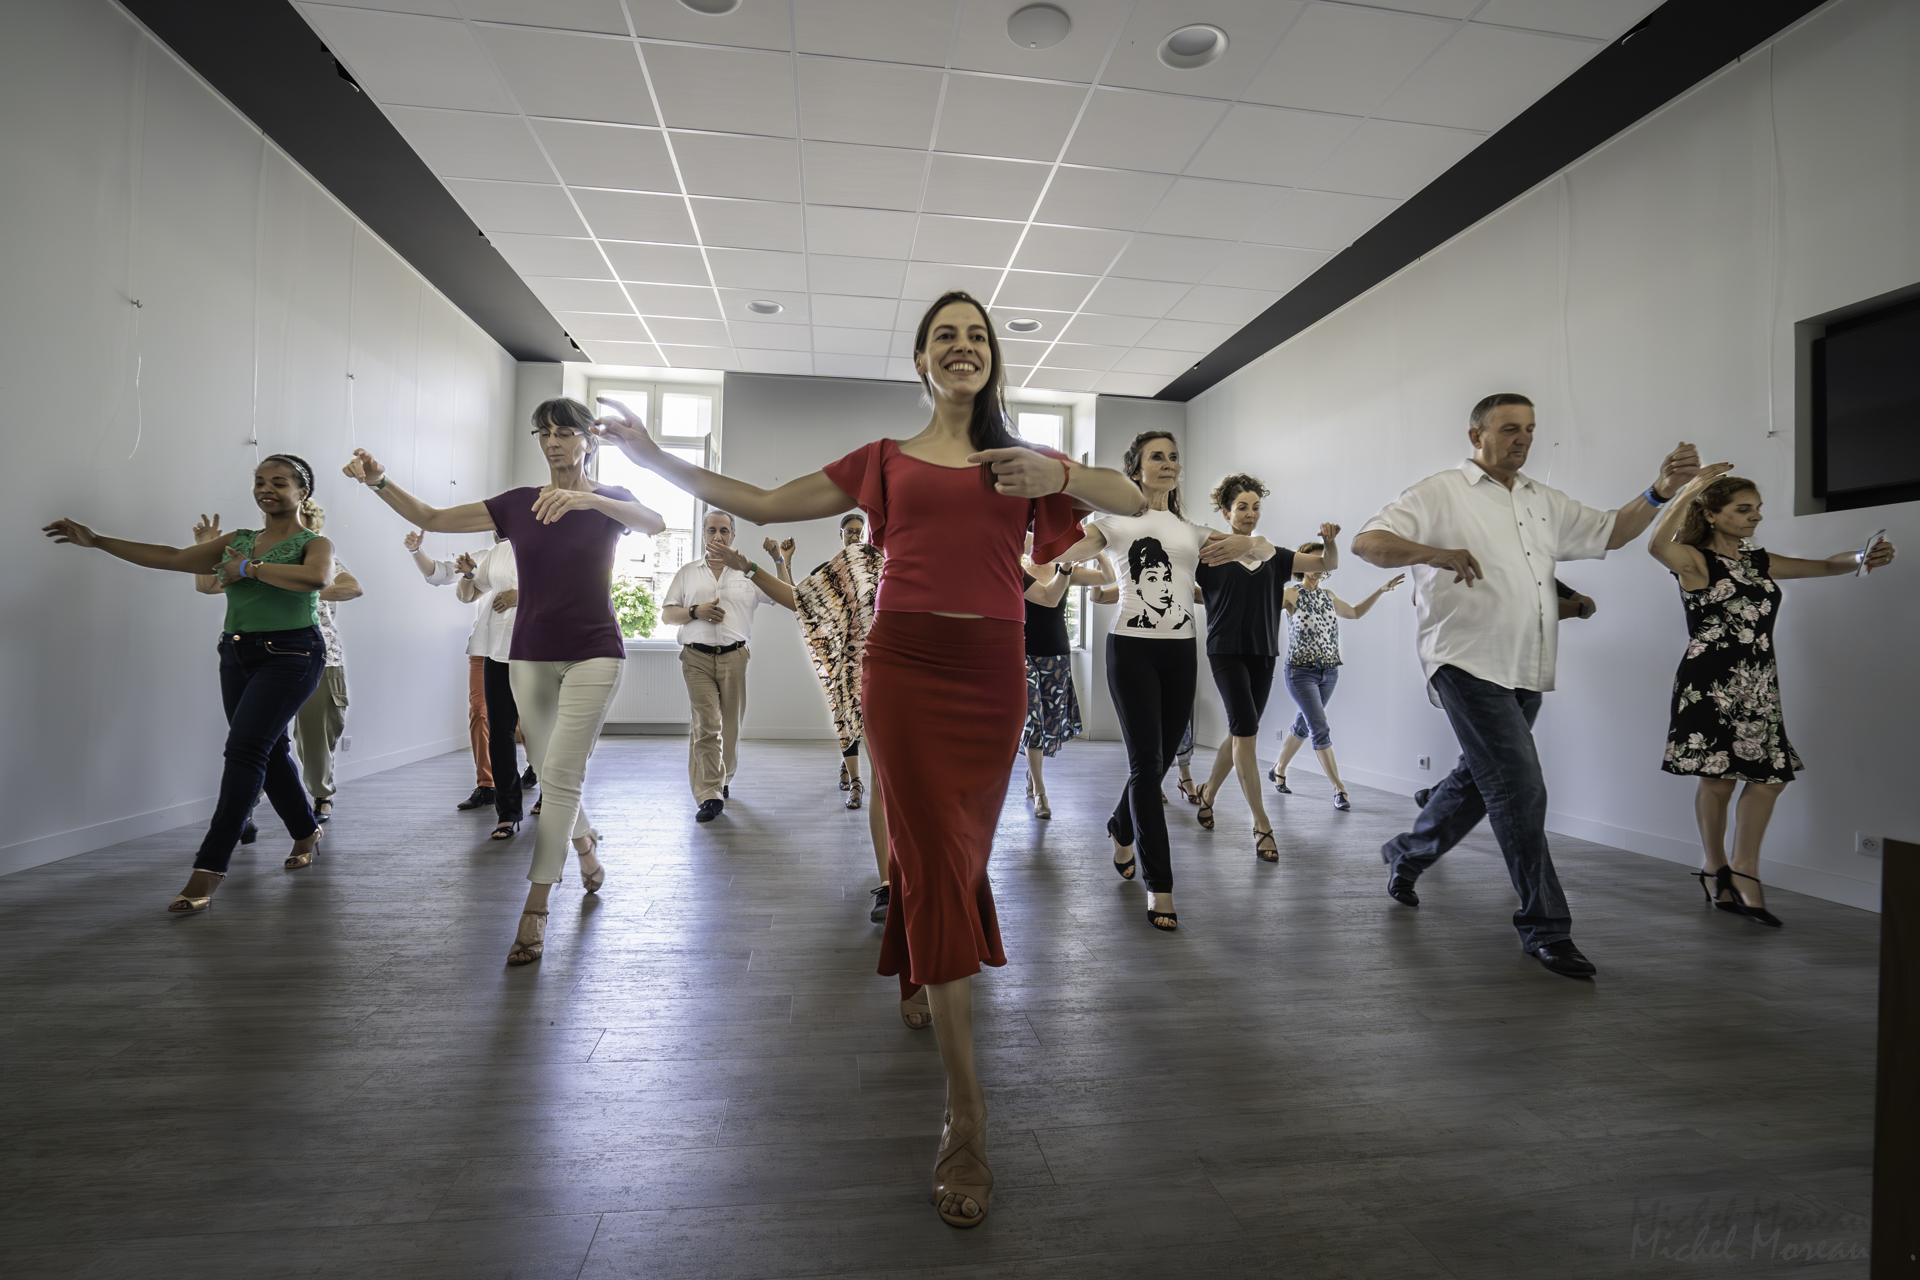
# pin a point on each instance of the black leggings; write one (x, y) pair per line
(1152, 686)
(503, 714)
(1244, 681)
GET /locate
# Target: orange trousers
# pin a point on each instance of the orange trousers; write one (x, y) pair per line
(477, 719)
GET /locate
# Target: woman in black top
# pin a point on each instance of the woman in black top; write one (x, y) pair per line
(1053, 710)
(1243, 600)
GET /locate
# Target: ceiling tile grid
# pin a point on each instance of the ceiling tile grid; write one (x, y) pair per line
(782, 188)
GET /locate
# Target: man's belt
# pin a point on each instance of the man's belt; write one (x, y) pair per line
(717, 649)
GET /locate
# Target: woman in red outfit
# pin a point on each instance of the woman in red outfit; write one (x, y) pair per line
(951, 508)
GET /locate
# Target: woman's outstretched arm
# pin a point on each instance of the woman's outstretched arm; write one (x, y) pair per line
(811, 497)
(468, 517)
(1783, 567)
(200, 558)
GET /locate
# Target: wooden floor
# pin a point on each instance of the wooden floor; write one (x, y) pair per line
(331, 1073)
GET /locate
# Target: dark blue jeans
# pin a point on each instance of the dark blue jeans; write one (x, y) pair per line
(265, 676)
(1498, 777)
(1312, 690)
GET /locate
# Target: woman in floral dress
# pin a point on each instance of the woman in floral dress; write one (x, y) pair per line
(1727, 727)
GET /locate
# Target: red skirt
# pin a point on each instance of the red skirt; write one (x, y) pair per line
(945, 700)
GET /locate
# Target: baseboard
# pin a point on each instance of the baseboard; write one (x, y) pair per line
(643, 729)
(70, 844)
(791, 732)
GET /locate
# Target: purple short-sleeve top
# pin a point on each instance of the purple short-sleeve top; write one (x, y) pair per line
(565, 611)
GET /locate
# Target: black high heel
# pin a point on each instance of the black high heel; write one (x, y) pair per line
(1759, 915)
(1124, 869)
(1722, 883)
(506, 830)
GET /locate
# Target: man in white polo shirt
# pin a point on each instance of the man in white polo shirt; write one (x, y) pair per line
(1482, 540)
(712, 600)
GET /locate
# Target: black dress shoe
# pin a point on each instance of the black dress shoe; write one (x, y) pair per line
(528, 779)
(249, 833)
(482, 797)
(1400, 889)
(1420, 796)
(1563, 958)
(881, 898)
(709, 810)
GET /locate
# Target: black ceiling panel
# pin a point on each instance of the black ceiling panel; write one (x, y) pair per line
(269, 63)
(1680, 44)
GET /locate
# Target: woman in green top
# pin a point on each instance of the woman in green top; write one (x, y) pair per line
(271, 656)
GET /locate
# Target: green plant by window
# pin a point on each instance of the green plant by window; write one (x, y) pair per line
(634, 605)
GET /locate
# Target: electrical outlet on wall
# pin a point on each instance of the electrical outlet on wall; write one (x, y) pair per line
(346, 743)
(1865, 845)
(1425, 762)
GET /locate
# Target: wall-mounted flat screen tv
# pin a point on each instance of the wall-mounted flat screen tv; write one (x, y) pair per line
(1866, 409)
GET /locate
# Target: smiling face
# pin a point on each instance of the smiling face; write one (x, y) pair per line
(1740, 517)
(1502, 442)
(1159, 470)
(1243, 512)
(276, 489)
(957, 359)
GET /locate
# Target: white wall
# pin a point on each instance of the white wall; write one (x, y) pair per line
(1647, 297)
(777, 428)
(122, 175)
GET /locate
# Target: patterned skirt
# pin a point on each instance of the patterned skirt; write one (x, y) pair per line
(1053, 712)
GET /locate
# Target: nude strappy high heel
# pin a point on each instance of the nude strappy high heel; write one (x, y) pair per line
(297, 859)
(183, 905)
(916, 1014)
(960, 1173)
(592, 883)
(527, 950)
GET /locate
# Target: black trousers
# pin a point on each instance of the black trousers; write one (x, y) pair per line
(1152, 686)
(502, 715)
(1244, 681)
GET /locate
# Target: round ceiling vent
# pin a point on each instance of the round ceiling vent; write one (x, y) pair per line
(1193, 46)
(1023, 325)
(1039, 26)
(765, 307)
(712, 7)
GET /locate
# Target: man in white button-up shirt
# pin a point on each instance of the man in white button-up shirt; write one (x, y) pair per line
(1483, 539)
(712, 600)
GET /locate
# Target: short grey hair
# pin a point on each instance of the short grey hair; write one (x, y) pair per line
(732, 524)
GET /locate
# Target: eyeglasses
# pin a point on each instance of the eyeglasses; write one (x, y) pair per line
(558, 433)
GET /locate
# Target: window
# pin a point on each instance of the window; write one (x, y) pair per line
(681, 419)
(1042, 424)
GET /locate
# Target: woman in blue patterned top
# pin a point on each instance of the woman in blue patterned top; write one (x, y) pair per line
(1313, 668)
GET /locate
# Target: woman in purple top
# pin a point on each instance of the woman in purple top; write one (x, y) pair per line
(567, 648)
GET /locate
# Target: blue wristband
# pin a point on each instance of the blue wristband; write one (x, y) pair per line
(243, 568)
(1654, 499)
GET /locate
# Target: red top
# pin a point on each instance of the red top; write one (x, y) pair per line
(953, 545)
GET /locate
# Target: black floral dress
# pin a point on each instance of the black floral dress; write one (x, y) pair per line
(1726, 696)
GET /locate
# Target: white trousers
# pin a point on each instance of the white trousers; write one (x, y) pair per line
(562, 706)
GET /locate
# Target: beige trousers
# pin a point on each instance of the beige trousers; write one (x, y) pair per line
(562, 706)
(717, 687)
(317, 727)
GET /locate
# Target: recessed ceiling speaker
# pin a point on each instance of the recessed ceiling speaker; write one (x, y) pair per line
(1038, 26)
(1023, 325)
(713, 8)
(1193, 46)
(765, 307)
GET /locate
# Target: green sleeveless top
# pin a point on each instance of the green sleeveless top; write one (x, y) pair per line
(253, 605)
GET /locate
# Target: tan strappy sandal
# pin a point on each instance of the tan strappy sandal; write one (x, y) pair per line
(960, 1173)
(527, 950)
(297, 859)
(917, 1014)
(592, 883)
(184, 904)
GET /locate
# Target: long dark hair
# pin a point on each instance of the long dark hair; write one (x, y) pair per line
(1131, 465)
(989, 428)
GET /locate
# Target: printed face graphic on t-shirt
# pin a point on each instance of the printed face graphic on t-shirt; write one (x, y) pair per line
(1152, 572)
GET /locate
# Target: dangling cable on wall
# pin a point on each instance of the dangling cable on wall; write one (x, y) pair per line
(259, 234)
(1572, 431)
(1773, 246)
(353, 270)
(136, 154)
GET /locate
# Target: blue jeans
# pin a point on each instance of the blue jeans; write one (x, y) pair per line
(1498, 777)
(1312, 690)
(265, 676)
